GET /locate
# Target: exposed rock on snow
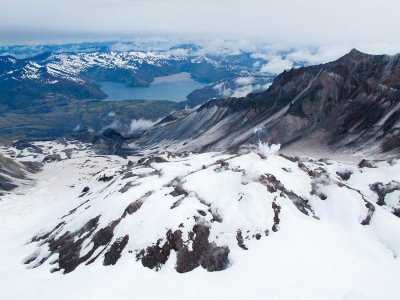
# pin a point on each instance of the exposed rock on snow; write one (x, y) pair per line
(172, 219)
(24, 158)
(13, 173)
(196, 209)
(383, 189)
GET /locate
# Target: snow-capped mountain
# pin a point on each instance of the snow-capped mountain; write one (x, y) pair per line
(74, 75)
(253, 214)
(24, 82)
(206, 195)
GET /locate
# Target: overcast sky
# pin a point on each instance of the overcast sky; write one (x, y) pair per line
(288, 22)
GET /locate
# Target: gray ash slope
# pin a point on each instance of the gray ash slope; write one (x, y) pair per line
(352, 103)
(13, 173)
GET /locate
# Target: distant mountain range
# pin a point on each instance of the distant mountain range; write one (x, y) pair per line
(61, 89)
(75, 75)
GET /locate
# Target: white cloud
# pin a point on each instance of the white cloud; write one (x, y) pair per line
(220, 46)
(116, 124)
(285, 22)
(121, 46)
(266, 86)
(243, 91)
(268, 149)
(223, 90)
(179, 52)
(244, 86)
(140, 125)
(314, 56)
(276, 65)
(244, 80)
(264, 56)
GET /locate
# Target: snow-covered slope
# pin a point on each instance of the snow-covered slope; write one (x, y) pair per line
(275, 227)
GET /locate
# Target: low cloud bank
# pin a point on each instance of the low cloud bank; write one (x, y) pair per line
(141, 125)
(241, 87)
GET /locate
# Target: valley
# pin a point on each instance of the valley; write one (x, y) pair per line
(238, 183)
(202, 150)
(73, 90)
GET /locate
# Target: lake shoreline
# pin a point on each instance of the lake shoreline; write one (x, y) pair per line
(175, 88)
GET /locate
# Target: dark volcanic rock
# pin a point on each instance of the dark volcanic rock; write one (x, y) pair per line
(382, 189)
(105, 178)
(277, 210)
(6, 185)
(52, 158)
(24, 144)
(155, 256)
(215, 258)
(365, 163)
(135, 205)
(240, 240)
(208, 255)
(273, 185)
(344, 174)
(147, 161)
(11, 171)
(114, 253)
(69, 245)
(371, 210)
(112, 142)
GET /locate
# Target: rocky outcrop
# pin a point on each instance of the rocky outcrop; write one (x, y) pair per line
(111, 142)
(13, 173)
(201, 253)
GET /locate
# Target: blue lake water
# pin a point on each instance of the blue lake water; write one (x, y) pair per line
(174, 88)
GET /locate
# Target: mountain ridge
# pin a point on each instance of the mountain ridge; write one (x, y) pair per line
(344, 98)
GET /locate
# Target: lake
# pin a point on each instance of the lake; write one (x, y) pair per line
(174, 88)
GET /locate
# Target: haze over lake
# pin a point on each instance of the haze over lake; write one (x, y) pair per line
(173, 87)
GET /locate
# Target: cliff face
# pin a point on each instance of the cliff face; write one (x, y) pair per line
(351, 103)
